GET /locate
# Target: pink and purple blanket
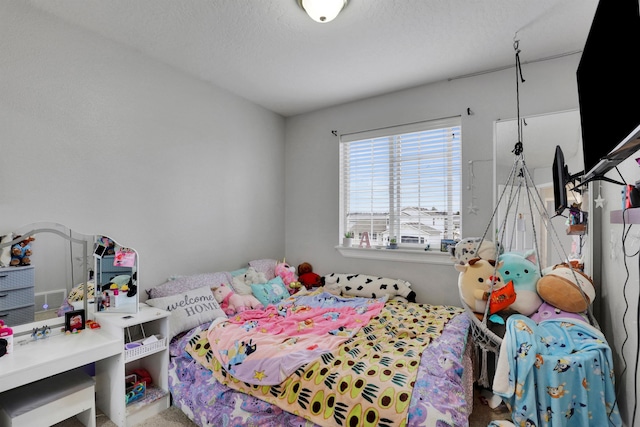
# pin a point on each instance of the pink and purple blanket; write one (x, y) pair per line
(264, 347)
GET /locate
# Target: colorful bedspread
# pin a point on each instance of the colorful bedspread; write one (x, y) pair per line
(556, 373)
(369, 379)
(264, 347)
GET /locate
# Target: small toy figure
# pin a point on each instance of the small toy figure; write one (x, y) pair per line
(20, 252)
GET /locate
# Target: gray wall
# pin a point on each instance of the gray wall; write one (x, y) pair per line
(620, 281)
(95, 136)
(311, 161)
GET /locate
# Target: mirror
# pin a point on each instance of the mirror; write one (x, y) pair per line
(540, 135)
(46, 275)
(116, 277)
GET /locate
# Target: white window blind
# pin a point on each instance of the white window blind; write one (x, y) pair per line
(402, 182)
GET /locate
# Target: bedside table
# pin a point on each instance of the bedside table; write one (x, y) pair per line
(152, 356)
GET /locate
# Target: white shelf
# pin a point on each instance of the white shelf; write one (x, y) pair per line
(144, 350)
(154, 357)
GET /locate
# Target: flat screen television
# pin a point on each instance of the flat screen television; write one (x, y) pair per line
(560, 173)
(609, 88)
(561, 178)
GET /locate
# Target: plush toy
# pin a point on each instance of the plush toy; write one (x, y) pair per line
(287, 273)
(563, 288)
(20, 252)
(231, 302)
(242, 283)
(524, 273)
(475, 280)
(474, 247)
(547, 311)
(307, 277)
(361, 285)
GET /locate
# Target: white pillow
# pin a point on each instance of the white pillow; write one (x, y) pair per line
(5, 253)
(189, 309)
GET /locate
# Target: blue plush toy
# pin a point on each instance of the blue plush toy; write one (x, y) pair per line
(523, 271)
(20, 252)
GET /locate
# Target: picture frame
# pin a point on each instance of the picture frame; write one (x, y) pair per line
(74, 320)
(99, 251)
(446, 243)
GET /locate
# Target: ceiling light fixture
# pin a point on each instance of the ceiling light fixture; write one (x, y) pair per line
(322, 11)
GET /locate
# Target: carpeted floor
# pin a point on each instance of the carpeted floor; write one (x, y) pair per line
(174, 417)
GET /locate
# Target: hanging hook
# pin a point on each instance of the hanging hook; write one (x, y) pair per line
(334, 132)
(518, 148)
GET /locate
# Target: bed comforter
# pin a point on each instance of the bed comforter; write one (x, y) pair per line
(391, 364)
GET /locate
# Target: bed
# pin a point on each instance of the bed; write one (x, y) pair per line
(318, 359)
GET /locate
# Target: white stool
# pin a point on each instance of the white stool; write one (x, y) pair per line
(49, 401)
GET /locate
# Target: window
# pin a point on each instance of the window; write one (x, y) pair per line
(402, 182)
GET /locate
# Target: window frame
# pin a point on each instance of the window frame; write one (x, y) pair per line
(452, 216)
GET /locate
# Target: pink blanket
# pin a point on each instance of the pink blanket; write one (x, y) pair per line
(264, 347)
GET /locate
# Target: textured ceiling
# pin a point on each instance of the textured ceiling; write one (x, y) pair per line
(270, 52)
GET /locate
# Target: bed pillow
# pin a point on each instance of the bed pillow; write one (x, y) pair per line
(189, 309)
(266, 266)
(187, 283)
(271, 292)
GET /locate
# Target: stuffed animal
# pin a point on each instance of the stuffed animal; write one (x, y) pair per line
(524, 273)
(563, 287)
(242, 283)
(475, 280)
(231, 302)
(361, 285)
(20, 252)
(474, 247)
(307, 277)
(287, 273)
(547, 311)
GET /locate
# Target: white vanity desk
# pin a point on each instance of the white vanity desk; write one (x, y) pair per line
(58, 353)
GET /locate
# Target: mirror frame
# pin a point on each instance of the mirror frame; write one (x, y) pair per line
(88, 244)
(39, 228)
(566, 132)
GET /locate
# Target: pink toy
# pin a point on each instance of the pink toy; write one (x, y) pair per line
(288, 275)
(232, 303)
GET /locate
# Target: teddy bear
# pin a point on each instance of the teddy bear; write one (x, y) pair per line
(523, 271)
(307, 277)
(475, 280)
(231, 302)
(242, 283)
(288, 275)
(21, 251)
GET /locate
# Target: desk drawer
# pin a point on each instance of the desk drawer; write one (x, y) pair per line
(16, 298)
(18, 316)
(16, 278)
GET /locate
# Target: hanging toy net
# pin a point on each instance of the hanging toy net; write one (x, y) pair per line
(518, 201)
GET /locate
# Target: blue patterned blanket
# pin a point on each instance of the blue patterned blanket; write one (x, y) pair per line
(556, 373)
